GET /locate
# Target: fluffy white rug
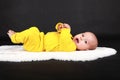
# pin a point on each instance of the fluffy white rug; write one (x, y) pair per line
(15, 53)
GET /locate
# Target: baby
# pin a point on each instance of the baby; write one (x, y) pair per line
(60, 40)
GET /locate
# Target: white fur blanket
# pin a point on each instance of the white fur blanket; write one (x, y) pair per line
(15, 53)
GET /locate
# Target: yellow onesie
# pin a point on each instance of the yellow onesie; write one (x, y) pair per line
(35, 41)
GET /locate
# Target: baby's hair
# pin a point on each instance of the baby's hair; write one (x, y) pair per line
(95, 44)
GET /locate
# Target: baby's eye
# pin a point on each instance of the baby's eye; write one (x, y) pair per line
(82, 35)
(86, 42)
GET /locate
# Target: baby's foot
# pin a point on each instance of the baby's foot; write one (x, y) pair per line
(10, 33)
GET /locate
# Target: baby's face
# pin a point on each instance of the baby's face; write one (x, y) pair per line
(85, 41)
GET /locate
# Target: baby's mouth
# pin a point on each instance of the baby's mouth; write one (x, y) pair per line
(77, 40)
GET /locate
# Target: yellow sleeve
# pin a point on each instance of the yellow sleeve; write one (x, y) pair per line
(66, 42)
(56, 27)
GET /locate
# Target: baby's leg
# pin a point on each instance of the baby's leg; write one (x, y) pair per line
(30, 38)
(10, 33)
(23, 36)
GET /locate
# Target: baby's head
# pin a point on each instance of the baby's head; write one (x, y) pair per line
(85, 41)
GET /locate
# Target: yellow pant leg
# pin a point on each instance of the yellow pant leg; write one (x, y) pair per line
(31, 38)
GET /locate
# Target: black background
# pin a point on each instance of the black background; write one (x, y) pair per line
(99, 16)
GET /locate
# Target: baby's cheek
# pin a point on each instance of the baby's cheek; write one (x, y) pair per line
(79, 45)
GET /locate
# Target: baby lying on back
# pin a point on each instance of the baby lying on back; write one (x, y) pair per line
(60, 40)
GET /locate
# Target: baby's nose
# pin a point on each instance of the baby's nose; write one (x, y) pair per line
(81, 38)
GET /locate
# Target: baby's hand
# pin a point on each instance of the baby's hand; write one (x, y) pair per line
(64, 25)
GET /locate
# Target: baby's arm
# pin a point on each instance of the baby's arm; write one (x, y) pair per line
(60, 26)
(65, 40)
